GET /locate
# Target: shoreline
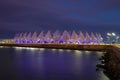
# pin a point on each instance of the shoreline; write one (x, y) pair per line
(89, 47)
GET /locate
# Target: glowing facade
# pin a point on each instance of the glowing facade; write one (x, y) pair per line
(57, 37)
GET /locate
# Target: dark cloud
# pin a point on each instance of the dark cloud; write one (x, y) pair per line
(36, 15)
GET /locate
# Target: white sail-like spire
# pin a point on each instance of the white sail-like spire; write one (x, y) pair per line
(34, 37)
(21, 38)
(48, 36)
(65, 36)
(87, 37)
(81, 37)
(41, 37)
(74, 36)
(57, 37)
(29, 37)
(25, 37)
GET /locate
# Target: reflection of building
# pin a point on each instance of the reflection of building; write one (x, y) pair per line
(58, 37)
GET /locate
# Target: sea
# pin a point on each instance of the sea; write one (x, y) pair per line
(22, 63)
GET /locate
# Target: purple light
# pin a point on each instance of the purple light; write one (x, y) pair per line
(61, 41)
(57, 37)
(85, 41)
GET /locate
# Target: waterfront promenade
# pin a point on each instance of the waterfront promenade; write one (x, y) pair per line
(89, 47)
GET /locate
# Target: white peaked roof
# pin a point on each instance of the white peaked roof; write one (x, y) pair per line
(74, 35)
(87, 37)
(81, 36)
(93, 36)
(48, 36)
(65, 35)
(21, 36)
(34, 36)
(41, 35)
(29, 36)
(25, 35)
(56, 36)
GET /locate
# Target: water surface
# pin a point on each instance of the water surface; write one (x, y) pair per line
(49, 64)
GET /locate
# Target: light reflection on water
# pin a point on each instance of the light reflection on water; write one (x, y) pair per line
(54, 64)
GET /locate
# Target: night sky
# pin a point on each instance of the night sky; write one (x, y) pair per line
(35, 15)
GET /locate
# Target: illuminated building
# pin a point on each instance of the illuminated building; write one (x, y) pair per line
(57, 37)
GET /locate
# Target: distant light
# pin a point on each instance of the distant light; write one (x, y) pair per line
(61, 50)
(88, 52)
(108, 34)
(117, 37)
(113, 34)
(53, 49)
(68, 50)
(77, 51)
(42, 49)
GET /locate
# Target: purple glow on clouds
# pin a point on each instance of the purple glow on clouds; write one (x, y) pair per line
(31, 15)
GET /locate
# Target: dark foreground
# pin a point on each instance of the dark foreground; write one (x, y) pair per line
(46, 64)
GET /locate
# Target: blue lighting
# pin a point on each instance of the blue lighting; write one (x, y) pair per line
(61, 41)
(65, 37)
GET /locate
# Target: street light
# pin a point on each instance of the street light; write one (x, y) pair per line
(113, 34)
(108, 37)
(108, 34)
(117, 38)
(112, 37)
